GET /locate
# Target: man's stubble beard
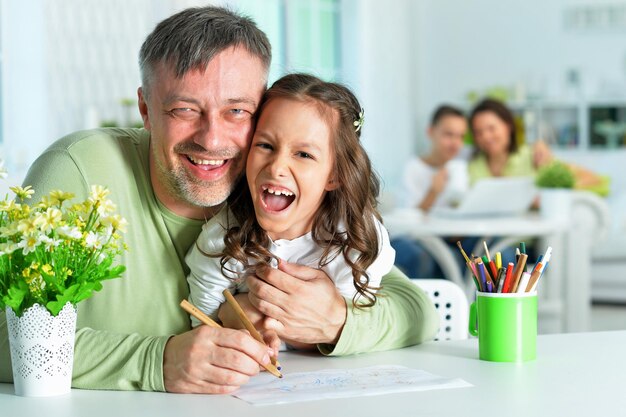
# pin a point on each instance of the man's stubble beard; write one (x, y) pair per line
(185, 187)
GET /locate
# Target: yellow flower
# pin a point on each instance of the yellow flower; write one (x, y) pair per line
(23, 193)
(98, 193)
(116, 221)
(48, 220)
(27, 226)
(45, 202)
(10, 206)
(47, 269)
(60, 196)
(106, 207)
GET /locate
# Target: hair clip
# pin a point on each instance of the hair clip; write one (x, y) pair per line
(359, 122)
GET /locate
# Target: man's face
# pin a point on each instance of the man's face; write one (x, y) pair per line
(200, 127)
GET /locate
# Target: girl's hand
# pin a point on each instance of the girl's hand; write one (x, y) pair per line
(272, 341)
(229, 318)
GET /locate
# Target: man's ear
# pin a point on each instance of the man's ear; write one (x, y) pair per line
(332, 184)
(143, 108)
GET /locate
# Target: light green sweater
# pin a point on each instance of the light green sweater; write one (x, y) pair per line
(122, 330)
(519, 164)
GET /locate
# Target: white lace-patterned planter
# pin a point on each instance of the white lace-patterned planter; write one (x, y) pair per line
(42, 350)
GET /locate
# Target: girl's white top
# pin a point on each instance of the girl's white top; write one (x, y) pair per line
(207, 281)
(418, 177)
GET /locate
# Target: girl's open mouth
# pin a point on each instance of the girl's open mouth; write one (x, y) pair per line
(276, 199)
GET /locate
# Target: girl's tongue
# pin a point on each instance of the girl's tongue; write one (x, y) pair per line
(277, 202)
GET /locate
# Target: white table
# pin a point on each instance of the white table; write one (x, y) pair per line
(560, 306)
(575, 374)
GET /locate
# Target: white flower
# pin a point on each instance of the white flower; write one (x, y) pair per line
(29, 244)
(50, 243)
(69, 232)
(94, 240)
(7, 248)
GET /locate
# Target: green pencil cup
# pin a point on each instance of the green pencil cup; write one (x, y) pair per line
(506, 326)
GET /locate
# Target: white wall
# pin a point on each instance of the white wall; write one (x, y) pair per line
(474, 45)
(24, 93)
(379, 54)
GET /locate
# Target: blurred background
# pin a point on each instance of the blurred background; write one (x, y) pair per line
(67, 65)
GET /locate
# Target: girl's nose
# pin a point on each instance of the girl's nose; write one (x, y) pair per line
(279, 166)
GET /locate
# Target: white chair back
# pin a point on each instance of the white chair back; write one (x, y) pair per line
(451, 304)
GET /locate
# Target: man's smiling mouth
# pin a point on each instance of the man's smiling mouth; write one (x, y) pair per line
(206, 162)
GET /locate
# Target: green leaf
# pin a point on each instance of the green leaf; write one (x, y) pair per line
(114, 272)
(86, 290)
(54, 307)
(15, 296)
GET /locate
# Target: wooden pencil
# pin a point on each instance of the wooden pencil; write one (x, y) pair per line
(245, 320)
(193, 310)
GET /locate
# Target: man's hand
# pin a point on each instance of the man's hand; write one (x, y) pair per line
(212, 361)
(301, 304)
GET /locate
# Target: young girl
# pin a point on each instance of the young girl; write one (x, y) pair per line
(308, 197)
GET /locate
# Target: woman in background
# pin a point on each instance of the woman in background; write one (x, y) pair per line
(497, 152)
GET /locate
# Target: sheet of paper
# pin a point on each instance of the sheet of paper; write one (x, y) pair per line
(339, 383)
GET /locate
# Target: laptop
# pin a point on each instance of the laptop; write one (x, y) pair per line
(510, 196)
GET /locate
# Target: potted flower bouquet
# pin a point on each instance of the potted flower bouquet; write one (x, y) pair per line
(53, 254)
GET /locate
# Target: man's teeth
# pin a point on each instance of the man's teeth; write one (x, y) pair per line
(278, 192)
(213, 162)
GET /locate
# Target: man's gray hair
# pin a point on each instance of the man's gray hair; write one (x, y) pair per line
(191, 38)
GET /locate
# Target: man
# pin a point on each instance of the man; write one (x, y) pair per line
(203, 74)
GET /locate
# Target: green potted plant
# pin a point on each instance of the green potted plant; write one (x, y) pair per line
(555, 181)
(53, 254)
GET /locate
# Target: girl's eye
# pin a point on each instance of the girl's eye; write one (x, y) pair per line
(264, 145)
(305, 155)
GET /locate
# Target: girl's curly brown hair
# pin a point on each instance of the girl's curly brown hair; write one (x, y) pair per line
(353, 203)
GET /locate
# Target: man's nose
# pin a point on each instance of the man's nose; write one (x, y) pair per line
(212, 133)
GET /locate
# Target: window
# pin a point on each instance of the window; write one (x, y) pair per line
(305, 34)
